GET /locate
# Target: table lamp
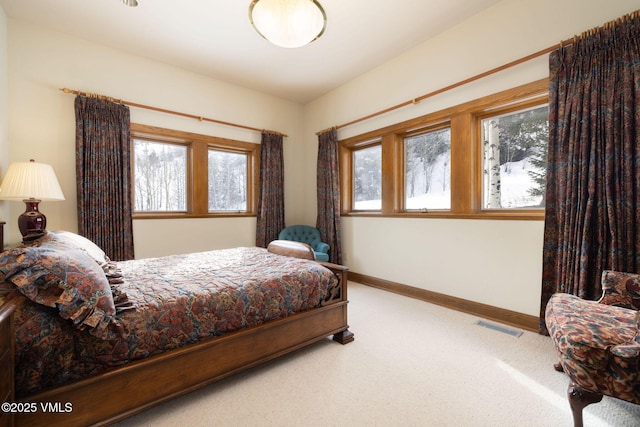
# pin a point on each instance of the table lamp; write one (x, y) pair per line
(32, 183)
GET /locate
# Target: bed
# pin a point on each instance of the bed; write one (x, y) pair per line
(97, 341)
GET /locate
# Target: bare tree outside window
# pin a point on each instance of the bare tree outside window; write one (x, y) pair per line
(367, 176)
(227, 181)
(160, 174)
(428, 170)
(514, 158)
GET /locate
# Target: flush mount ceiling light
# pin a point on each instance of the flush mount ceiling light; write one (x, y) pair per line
(132, 3)
(288, 23)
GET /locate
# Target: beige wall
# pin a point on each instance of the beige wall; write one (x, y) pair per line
(492, 262)
(42, 125)
(4, 106)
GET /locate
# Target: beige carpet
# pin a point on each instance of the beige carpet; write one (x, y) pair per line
(412, 364)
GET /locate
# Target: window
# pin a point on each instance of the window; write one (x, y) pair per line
(367, 178)
(427, 170)
(180, 174)
(482, 159)
(514, 148)
(160, 176)
(227, 181)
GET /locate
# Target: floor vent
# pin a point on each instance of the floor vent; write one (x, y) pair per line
(500, 328)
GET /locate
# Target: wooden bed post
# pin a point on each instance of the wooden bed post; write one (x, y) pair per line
(346, 336)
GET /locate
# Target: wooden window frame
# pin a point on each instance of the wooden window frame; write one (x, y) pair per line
(466, 157)
(198, 169)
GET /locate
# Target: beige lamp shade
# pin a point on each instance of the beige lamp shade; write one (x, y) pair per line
(30, 180)
(288, 23)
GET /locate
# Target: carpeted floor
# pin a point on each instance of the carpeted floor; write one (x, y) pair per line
(411, 364)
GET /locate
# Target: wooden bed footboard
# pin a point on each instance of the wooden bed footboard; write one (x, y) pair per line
(122, 392)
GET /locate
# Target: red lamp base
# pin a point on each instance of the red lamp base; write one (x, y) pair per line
(32, 222)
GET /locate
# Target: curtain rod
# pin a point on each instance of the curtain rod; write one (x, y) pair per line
(162, 110)
(560, 45)
(455, 85)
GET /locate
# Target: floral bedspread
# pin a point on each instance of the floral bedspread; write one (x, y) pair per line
(172, 301)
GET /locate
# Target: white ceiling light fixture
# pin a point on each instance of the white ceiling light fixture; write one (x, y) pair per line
(288, 23)
(131, 3)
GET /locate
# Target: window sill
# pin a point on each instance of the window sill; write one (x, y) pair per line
(142, 216)
(493, 215)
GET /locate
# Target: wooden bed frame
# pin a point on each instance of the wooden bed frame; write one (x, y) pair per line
(122, 392)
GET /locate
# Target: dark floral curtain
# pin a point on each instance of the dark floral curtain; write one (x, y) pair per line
(270, 219)
(103, 172)
(328, 183)
(593, 168)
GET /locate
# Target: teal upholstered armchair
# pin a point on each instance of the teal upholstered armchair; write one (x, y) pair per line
(310, 236)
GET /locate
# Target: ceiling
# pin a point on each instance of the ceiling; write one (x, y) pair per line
(215, 38)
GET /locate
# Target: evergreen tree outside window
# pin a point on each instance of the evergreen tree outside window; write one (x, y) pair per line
(514, 147)
(483, 159)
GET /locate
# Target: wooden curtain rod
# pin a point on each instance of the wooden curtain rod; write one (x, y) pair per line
(455, 85)
(162, 110)
(608, 25)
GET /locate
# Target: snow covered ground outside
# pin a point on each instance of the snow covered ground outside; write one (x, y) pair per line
(515, 186)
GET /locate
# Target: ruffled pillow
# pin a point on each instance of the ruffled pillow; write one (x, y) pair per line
(93, 250)
(68, 239)
(65, 277)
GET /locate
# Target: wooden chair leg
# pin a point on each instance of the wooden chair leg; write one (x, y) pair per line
(579, 398)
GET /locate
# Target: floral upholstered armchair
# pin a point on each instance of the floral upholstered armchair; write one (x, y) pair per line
(598, 343)
(309, 235)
